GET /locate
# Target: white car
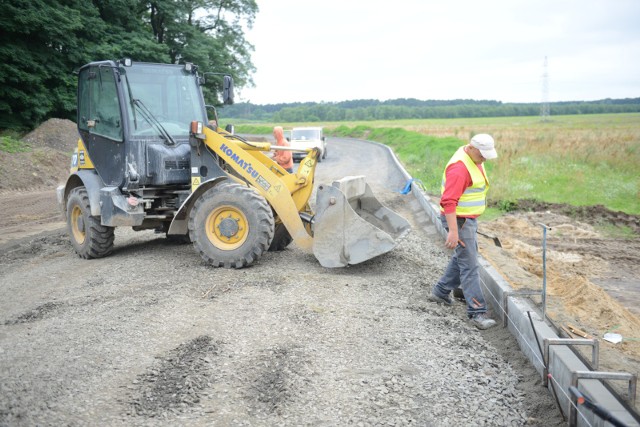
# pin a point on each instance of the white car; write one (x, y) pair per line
(308, 137)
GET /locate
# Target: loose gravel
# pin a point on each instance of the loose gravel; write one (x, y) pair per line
(151, 336)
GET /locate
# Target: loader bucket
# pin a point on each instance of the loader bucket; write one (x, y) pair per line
(351, 226)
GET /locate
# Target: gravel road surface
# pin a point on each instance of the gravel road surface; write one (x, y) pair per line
(152, 336)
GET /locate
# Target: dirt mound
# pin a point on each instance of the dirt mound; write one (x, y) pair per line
(59, 134)
(595, 215)
(37, 169)
(46, 164)
(592, 280)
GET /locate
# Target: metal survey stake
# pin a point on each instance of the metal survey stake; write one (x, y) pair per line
(544, 269)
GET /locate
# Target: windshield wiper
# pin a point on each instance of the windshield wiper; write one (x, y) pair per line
(149, 117)
(133, 109)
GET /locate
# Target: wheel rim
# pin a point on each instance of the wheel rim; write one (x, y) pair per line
(227, 228)
(77, 225)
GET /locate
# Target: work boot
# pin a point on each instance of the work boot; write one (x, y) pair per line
(446, 300)
(481, 321)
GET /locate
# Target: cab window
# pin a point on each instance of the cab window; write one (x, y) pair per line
(98, 109)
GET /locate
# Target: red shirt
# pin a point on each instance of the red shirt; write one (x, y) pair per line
(458, 180)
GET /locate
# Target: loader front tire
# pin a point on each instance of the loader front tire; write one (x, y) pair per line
(89, 238)
(231, 225)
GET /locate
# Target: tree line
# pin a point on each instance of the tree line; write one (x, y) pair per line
(42, 42)
(409, 108)
(370, 109)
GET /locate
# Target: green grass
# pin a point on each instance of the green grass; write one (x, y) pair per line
(251, 129)
(10, 144)
(616, 231)
(579, 160)
(423, 156)
(555, 180)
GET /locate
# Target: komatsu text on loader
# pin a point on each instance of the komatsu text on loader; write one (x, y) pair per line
(149, 158)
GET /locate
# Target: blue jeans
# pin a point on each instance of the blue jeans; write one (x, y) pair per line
(463, 269)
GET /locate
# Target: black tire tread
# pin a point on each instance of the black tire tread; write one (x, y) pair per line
(99, 237)
(265, 227)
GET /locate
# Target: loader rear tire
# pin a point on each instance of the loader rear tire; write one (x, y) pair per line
(231, 225)
(89, 238)
(281, 238)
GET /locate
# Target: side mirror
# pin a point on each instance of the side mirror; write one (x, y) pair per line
(230, 128)
(227, 90)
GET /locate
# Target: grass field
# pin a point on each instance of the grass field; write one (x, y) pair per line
(579, 160)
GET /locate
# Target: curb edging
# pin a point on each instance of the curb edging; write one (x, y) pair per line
(562, 360)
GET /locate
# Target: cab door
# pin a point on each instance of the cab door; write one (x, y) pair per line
(100, 121)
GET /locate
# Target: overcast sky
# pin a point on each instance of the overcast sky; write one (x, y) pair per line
(336, 50)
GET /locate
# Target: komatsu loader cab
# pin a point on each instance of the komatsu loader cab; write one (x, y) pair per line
(135, 122)
(148, 158)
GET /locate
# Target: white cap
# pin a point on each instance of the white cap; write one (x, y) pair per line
(485, 144)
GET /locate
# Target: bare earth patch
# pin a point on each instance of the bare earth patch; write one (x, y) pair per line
(593, 282)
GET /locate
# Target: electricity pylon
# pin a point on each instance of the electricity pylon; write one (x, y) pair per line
(544, 106)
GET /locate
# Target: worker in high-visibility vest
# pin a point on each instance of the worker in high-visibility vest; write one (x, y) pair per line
(464, 190)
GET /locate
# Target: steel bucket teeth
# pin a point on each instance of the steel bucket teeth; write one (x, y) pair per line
(351, 226)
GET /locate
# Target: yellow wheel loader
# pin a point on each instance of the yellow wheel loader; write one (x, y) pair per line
(149, 158)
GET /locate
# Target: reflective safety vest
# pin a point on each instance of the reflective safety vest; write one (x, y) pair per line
(474, 199)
